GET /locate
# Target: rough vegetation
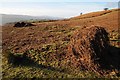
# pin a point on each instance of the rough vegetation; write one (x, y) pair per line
(69, 48)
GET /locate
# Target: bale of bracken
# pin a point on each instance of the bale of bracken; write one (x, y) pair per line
(22, 24)
(88, 48)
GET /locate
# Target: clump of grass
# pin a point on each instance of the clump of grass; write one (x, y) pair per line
(113, 36)
(43, 55)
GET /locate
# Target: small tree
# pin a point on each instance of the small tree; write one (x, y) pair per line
(81, 13)
(105, 9)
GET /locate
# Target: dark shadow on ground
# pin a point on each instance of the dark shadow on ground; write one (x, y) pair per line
(26, 61)
(111, 60)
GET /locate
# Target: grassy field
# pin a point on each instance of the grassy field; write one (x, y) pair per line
(48, 62)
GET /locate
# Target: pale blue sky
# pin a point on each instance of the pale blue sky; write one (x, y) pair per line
(59, 0)
(57, 8)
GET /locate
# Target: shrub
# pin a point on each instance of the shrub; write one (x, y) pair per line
(105, 9)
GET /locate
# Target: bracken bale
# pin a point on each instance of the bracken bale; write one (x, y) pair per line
(88, 48)
(22, 24)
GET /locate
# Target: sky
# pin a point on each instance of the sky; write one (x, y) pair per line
(56, 8)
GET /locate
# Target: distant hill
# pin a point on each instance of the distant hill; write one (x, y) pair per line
(7, 18)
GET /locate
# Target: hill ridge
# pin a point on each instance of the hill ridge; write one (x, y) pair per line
(101, 14)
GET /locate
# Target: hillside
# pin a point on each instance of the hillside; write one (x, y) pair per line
(103, 18)
(94, 14)
(44, 50)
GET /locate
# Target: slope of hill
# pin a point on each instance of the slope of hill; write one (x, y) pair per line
(108, 19)
(94, 14)
(41, 51)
